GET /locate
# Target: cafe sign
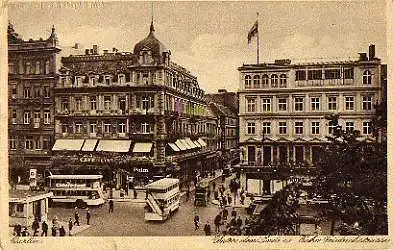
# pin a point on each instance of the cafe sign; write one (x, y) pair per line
(141, 170)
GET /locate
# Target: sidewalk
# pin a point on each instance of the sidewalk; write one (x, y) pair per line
(75, 229)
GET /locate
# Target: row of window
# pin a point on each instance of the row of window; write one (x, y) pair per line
(298, 127)
(107, 127)
(315, 103)
(30, 143)
(32, 116)
(32, 92)
(30, 67)
(142, 102)
(146, 78)
(275, 81)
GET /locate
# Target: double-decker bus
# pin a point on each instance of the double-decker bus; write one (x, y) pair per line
(162, 199)
(82, 190)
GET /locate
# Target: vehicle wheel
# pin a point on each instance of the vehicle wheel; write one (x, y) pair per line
(80, 204)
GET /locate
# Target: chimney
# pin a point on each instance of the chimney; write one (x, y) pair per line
(86, 51)
(222, 91)
(371, 52)
(114, 50)
(91, 51)
(363, 57)
(95, 49)
(105, 51)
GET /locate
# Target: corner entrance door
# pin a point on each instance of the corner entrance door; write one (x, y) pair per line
(251, 155)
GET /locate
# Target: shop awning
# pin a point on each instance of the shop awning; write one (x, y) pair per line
(185, 143)
(191, 143)
(89, 145)
(120, 146)
(142, 147)
(197, 143)
(174, 147)
(202, 142)
(180, 145)
(68, 144)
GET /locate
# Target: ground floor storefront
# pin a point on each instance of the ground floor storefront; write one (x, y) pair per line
(280, 153)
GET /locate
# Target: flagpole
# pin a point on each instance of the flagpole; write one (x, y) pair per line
(258, 38)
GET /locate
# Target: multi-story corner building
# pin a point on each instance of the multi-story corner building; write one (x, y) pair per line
(31, 78)
(282, 109)
(137, 113)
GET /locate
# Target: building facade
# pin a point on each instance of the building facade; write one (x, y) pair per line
(227, 134)
(31, 78)
(282, 108)
(138, 115)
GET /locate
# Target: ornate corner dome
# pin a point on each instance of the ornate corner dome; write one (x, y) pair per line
(152, 44)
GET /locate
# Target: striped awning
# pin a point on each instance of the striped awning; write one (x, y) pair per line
(142, 147)
(174, 147)
(89, 145)
(68, 144)
(191, 143)
(185, 143)
(202, 142)
(197, 143)
(180, 145)
(120, 146)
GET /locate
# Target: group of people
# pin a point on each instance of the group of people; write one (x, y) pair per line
(56, 230)
(225, 224)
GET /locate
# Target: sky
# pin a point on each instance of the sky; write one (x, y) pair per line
(210, 38)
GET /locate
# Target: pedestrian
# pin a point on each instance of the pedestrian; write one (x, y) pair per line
(239, 222)
(188, 193)
(76, 215)
(135, 194)
(44, 227)
(18, 229)
(215, 194)
(111, 205)
(217, 222)
(25, 232)
(229, 198)
(196, 222)
(88, 216)
(70, 225)
(62, 231)
(54, 233)
(35, 226)
(224, 214)
(207, 229)
(242, 198)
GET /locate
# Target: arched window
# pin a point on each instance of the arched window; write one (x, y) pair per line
(367, 77)
(257, 81)
(247, 82)
(274, 79)
(283, 81)
(265, 81)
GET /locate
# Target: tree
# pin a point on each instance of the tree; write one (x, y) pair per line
(352, 174)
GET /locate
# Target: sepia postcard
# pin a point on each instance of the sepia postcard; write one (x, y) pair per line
(195, 124)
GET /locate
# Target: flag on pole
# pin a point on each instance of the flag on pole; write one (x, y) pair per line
(253, 31)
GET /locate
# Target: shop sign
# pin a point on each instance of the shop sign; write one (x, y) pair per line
(141, 170)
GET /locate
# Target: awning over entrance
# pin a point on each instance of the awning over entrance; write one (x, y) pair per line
(68, 144)
(197, 144)
(192, 144)
(180, 145)
(202, 142)
(174, 147)
(142, 147)
(185, 143)
(120, 146)
(89, 145)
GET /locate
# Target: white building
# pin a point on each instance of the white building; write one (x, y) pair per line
(282, 107)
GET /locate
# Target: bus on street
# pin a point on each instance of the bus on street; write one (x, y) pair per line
(162, 199)
(82, 190)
